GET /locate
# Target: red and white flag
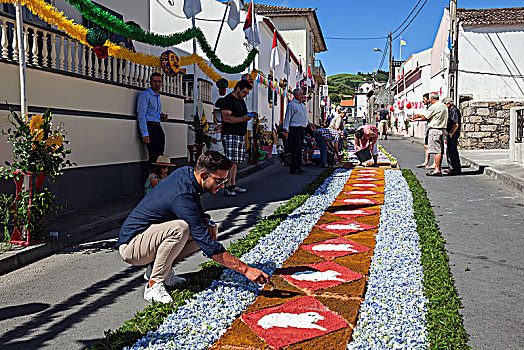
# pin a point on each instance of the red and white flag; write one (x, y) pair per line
(251, 27)
(309, 77)
(275, 60)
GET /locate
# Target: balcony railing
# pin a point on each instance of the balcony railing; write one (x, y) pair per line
(205, 90)
(318, 69)
(52, 50)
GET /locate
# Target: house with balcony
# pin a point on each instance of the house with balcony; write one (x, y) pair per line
(301, 28)
(95, 99)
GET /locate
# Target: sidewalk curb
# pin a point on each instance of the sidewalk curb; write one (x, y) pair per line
(495, 173)
(486, 170)
(15, 259)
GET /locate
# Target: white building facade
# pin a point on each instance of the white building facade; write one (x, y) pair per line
(96, 99)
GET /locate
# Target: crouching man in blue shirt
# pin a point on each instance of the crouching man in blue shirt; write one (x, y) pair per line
(170, 217)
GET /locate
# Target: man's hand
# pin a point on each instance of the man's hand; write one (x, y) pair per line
(213, 231)
(285, 135)
(247, 118)
(163, 117)
(257, 276)
(229, 261)
(145, 139)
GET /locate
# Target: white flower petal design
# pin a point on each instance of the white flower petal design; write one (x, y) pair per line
(343, 227)
(317, 276)
(304, 320)
(350, 212)
(335, 248)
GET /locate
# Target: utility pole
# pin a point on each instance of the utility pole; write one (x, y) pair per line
(390, 98)
(453, 55)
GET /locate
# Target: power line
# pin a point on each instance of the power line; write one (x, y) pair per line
(416, 14)
(381, 37)
(384, 53)
(354, 38)
(400, 26)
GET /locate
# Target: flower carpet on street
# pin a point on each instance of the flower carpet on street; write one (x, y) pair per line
(345, 270)
(200, 322)
(317, 293)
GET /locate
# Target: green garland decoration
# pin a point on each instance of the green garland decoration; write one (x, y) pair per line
(96, 37)
(94, 13)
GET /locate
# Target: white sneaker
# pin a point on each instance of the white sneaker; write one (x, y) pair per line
(170, 280)
(158, 293)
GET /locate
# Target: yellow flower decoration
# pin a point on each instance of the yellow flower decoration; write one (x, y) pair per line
(54, 141)
(39, 136)
(36, 123)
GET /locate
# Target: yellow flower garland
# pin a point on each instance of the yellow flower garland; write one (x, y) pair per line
(51, 15)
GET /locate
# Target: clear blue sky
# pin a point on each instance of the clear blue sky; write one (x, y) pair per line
(375, 18)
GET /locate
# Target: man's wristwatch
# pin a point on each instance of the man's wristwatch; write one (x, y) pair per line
(211, 223)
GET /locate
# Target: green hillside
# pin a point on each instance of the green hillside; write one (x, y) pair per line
(343, 86)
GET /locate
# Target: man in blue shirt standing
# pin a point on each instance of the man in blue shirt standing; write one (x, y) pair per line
(167, 223)
(150, 115)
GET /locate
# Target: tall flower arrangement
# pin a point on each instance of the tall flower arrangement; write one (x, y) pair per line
(39, 151)
(38, 146)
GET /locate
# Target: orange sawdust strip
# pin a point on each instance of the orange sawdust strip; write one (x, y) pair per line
(331, 341)
(343, 299)
(248, 340)
(302, 257)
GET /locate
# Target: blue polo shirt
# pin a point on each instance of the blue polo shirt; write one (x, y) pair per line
(149, 108)
(176, 197)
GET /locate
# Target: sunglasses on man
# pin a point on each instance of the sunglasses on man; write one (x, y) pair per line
(220, 181)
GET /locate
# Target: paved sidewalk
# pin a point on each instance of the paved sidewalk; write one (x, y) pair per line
(494, 163)
(87, 223)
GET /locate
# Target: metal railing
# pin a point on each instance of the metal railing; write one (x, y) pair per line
(318, 64)
(48, 49)
(520, 126)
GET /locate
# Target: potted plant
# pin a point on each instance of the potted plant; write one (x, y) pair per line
(407, 124)
(39, 152)
(253, 152)
(268, 140)
(199, 127)
(279, 128)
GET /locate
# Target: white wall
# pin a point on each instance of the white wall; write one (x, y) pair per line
(361, 105)
(95, 140)
(486, 52)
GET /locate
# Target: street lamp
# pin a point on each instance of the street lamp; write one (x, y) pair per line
(376, 49)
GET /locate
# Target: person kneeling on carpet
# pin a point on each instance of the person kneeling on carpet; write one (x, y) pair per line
(170, 220)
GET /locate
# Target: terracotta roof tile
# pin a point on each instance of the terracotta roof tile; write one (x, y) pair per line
(268, 9)
(347, 103)
(511, 15)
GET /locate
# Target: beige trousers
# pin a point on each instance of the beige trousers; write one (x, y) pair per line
(160, 244)
(383, 128)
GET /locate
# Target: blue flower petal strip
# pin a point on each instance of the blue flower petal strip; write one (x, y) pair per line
(393, 315)
(200, 322)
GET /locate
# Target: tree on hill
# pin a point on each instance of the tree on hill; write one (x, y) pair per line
(343, 86)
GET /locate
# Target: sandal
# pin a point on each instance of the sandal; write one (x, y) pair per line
(421, 165)
(432, 173)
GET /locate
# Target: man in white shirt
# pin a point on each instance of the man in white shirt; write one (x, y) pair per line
(337, 122)
(295, 123)
(437, 117)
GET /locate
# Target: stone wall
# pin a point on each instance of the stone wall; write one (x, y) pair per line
(485, 124)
